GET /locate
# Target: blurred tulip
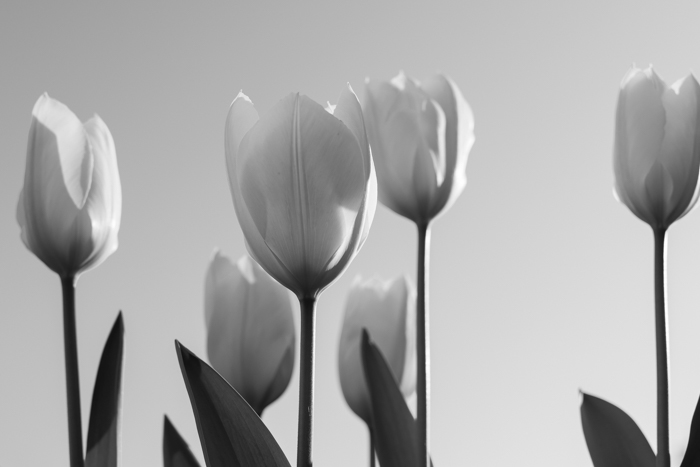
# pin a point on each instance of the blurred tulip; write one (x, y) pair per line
(250, 329)
(387, 310)
(420, 135)
(70, 207)
(657, 155)
(303, 187)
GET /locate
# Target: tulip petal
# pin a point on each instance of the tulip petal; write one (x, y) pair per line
(349, 111)
(225, 295)
(459, 137)
(645, 120)
(680, 153)
(104, 202)
(659, 188)
(303, 183)
(71, 146)
(241, 118)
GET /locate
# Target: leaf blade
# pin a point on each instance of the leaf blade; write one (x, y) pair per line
(103, 430)
(231, 433)
(692, 452)
(613, 438)
(176, 452)
(394, 426)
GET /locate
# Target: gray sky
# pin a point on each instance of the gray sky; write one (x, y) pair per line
(541, 283)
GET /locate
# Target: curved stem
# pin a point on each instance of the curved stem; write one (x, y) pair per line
(371, 447)
(663, 458)
(306, 381)
(70, 343)
(423, 346)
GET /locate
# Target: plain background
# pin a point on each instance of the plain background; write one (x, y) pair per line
(541, 284)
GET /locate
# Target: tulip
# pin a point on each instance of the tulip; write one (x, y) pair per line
(250, 329)
(656, 157)
(70, 207)
(69, 211)
(420, 137)
(656, 161)
(304, 191)
(303, 187)
(387, 310)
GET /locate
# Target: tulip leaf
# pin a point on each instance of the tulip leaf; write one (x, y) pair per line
(231, 433)
(176, 453)
(613, 438)
(393, 425)
(103, 431)
(692, 452)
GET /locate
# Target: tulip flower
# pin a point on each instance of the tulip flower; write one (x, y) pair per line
(656, 161)
(387, 310)
(250, 329)
(303, 187)
(656, 158)
(304, 191)
(420, 135)
(69, 212)
(70, 207)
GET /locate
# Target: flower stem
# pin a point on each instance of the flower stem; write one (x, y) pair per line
(70, 342)
(371, 447)
(423, 346)
(306, 381)
(663, 458)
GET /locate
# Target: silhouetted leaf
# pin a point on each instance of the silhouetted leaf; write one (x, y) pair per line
(103, 431)
(613, 439)
(692, 453)
(231, 433)
(176, 453)
(394, 426)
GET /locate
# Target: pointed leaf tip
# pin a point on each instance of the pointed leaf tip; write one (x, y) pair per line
(230, 431)
(613, 438)
(394, 427)
(176, 452)
(103, 430)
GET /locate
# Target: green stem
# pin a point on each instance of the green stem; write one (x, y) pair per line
(70, 342)
(423, 346)
(663, 458)
(306, 381)
(371, 447)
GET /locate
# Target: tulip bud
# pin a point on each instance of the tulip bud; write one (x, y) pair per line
(70, 207)
(657, 158)
(303, 187)
(250, 329)
(387, 310)
(420, 137)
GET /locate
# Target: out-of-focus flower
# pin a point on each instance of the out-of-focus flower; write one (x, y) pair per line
(387, 310)
(250, 329)
(420, 135)
(303, 187)
(70, 207)
(657, 146)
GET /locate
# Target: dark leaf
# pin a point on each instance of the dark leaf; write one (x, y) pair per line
(394, 426)
(176, 453)
(692, 453)
(231, 433)
(103, 431)
(613, 439)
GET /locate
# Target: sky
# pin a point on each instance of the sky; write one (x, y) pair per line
(541, 284)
